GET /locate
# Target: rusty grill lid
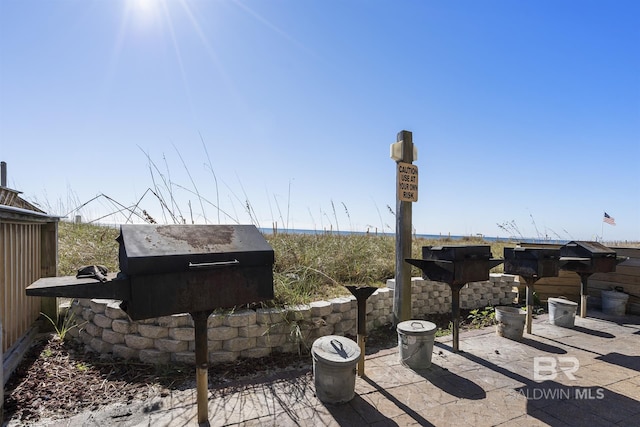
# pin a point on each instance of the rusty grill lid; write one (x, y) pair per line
(152, 249)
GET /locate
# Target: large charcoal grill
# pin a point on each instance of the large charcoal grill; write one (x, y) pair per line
(532, 264)
(456, 265)
(180, 269)
(171, 269)
(587, 258)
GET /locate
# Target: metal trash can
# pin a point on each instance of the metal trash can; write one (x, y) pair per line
(614, 302)
(511, 322)
(415, 343)
(334, 368)
(562, 312)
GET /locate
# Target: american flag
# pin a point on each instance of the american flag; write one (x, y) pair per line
(608, 219)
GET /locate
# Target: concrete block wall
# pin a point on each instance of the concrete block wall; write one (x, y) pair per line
(104, 328)
(435, 297)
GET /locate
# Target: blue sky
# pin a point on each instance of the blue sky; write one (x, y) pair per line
(523, 112)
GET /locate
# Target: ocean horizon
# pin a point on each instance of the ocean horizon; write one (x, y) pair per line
(265, 230)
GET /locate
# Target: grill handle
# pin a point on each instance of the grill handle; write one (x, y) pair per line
(205, 265)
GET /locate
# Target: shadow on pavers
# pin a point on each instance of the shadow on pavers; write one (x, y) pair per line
(452, 384)
(599, 334)
(406, 409)
(626, 361)
(550, 401)
(358, 412)
(548, 348)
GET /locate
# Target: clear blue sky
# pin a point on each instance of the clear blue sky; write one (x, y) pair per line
(522, 111)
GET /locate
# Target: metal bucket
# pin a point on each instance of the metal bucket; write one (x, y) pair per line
(562, 312)
(614, 302)
(415, 343)
(510, 322)
(334, 368)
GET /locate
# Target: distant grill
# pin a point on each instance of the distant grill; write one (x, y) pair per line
(587, 258)
(532, 263)
(456, 265)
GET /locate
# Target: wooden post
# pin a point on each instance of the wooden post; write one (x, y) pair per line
(49, 267)
(202, 364)
(402, 292)
(530, 281)
(584, 293)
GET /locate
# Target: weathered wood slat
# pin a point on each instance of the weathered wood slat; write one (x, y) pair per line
(623, 269)
(606, 286)
(544, 297)
(20, 252)
(622, 279)
(630, 252)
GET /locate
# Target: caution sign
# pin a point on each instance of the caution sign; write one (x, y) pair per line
(407, 182)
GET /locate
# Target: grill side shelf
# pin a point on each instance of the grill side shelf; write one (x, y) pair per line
(72, 287)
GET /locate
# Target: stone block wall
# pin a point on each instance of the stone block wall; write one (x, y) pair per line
(435, 297)
(104, 328)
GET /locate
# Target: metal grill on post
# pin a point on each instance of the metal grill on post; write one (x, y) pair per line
(456, 265)
(171, 269)
(587, 258)
(361, 293)
(532, 264)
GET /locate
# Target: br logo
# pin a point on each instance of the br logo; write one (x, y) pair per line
(546, 368)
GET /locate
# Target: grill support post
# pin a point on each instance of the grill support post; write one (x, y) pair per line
(530, 289)
(361, 293)
(584, 293)
(202, 364)
(455, 314)
(362, 333)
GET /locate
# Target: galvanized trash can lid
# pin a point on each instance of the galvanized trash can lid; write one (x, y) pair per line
(335, 350)
(416, 327)
(562, 301)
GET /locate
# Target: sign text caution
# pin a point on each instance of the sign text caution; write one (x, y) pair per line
(407, 182)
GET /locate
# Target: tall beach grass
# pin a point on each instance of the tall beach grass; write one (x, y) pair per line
(308, 267)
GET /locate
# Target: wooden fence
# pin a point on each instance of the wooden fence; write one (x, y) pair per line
(20, 254)
(28, 251)
(627, 276)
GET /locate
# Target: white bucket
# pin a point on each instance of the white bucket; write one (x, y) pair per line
(334, 368)
(415, 343)
(562, 312)
(510, 322)
(614, 302)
